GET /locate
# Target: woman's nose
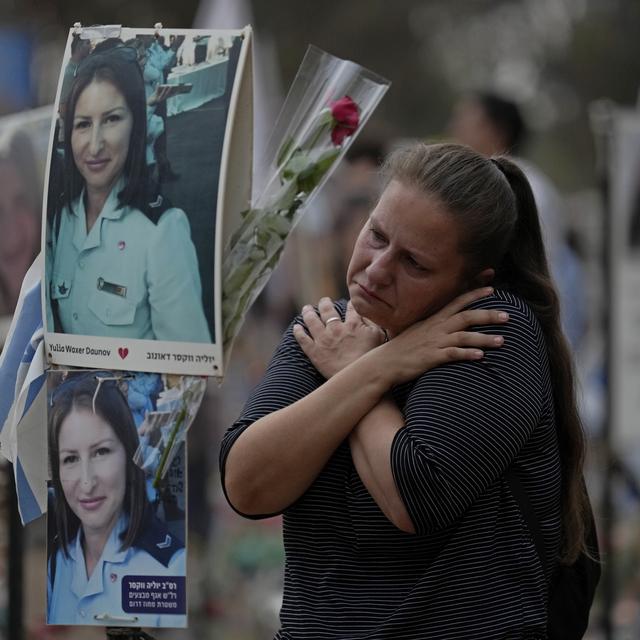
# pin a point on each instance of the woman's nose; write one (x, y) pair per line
(380, 270)
(87, 475)
(97, 140)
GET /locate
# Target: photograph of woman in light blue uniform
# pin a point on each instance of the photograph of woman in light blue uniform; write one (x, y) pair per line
(120, 261)
(112, 561)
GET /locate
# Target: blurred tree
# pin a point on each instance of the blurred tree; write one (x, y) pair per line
(554, 56)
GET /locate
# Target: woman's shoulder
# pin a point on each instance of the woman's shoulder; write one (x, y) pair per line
(172, 223)
(172, 217)
(157, 541)
(288, 337)
(144, 561)
(290, 351)
(520, 313)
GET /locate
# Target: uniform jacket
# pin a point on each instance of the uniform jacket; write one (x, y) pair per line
(128, 277)
(74, 598)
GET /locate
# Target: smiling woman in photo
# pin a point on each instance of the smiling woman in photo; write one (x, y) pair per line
(120, 262)
(105, 528)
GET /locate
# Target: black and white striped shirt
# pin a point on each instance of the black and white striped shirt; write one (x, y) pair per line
(471, 571)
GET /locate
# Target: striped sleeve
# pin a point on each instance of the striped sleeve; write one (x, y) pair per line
(465, 422)
(289, 377)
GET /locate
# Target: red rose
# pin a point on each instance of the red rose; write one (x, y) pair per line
(346, 116)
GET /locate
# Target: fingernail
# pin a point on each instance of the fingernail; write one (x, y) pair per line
(478, 354)
(489, 290)
(503, 316)
(498, 340)
(306, 307)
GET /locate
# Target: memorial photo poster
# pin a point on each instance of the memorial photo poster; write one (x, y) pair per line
(624, 172)
(116, 549)
(138, 173)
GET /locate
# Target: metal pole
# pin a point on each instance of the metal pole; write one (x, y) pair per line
(16, 560)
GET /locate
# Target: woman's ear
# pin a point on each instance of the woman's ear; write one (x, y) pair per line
(485, 277)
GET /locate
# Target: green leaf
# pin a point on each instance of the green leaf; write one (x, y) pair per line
(284, 152)
(326, 160)
(248, 217)
(237, 277)
(307, 181)
(297, 163)
(286, 197)
(278, 224)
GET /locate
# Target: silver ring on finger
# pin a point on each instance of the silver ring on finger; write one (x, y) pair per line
(332, 319)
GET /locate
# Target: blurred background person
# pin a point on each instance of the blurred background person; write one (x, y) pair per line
(20, 205)
(492, 124)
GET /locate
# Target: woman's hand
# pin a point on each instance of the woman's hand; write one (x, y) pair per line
(332, 344)
(442, 338)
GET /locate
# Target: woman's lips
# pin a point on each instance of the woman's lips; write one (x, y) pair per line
(369, 294)
(91, 504)
(96, 165)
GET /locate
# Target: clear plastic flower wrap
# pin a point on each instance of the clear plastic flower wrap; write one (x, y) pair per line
(328, 104)
(163, 430)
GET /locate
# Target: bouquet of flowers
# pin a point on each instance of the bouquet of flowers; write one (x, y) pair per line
(327, 105)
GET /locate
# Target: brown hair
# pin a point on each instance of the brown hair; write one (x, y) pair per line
(501, 230)
(79, 392)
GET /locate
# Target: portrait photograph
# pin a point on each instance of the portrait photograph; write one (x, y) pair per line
(134, 177)
(116, 549)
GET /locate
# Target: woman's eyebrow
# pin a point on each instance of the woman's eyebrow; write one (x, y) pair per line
(102, 115)
(67, 450)
(91, 446)
(118, 108)
(102, 442)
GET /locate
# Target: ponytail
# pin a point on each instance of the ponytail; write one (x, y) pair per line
(525, 271)
(499, 228)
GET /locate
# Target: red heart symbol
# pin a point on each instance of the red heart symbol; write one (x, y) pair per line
(123, 352)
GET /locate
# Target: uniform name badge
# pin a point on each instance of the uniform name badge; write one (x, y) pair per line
(111, 287)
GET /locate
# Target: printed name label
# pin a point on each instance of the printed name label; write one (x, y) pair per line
(154, 594)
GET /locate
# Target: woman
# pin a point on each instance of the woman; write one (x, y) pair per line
(118, 265)
(387, 459)
(105, 526)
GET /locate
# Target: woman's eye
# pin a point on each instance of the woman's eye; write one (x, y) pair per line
(114, 117)
(69, 459)
(82, 124)
(102, 451)
(376, 237)
(415, 265)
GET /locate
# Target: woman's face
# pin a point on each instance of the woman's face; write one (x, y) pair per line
(405, 264)
(100, 135)
(93, 466)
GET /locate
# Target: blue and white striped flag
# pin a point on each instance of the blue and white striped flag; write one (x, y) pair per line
(23, 408)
